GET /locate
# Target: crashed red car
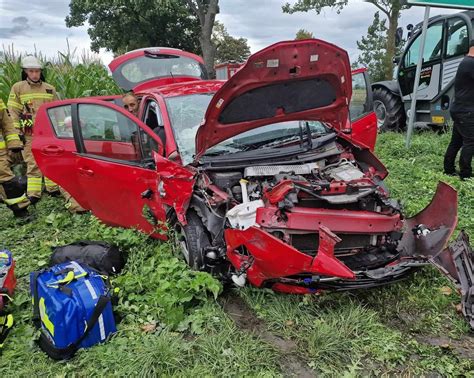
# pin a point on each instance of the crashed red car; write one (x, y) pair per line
(267, 178)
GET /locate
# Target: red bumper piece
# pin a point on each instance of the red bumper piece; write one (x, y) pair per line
(270, 258)
(347, 221)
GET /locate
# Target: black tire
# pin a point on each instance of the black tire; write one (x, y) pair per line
(192, 240)
(389, 110)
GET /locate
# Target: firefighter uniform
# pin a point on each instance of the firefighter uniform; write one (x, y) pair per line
(13, 192)
(25, 99)
(71, 204)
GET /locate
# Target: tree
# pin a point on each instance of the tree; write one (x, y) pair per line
(390, 8)
(228, 47)
(124, 25)
(206, 11)
(373, 49)
(304, 34)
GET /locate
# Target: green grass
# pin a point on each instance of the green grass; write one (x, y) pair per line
(188, 332)
(172, 324)
(369, 332)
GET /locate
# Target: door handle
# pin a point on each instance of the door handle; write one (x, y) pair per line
(86, 172)
(52, 149)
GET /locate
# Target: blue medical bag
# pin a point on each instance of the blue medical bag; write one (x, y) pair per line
(72, 307)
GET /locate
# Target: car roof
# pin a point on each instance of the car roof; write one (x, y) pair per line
(186, 88)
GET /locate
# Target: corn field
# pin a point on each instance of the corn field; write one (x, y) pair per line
(72, 74)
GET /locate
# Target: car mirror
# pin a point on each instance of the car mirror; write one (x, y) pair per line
(396, 59)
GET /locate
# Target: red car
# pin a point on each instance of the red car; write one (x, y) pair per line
(268, 177)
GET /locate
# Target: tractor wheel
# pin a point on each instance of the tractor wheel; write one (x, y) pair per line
(192, 240)
(389, 110)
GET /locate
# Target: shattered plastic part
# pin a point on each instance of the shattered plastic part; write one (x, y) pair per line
(274, 259)
(244, 215)
(440, 216)
(178, 180)
(459, 256)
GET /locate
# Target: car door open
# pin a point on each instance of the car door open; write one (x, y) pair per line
(113, 171)
(363, 119)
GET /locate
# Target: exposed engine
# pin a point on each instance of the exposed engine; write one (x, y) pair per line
(337, 183)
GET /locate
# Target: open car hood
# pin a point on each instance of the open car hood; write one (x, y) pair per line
(293, 80)
(155, 66)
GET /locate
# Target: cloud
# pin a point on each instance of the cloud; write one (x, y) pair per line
(19, 27)
(20, 20)
(39, 24)
(263, 22)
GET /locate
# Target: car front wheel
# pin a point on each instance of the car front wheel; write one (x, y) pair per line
(192, 240)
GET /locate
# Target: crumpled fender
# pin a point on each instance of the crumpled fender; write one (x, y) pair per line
(175, 185)
(456, 260)
(272, 258)
(440, 216)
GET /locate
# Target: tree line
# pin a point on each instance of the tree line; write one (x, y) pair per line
(124, 25)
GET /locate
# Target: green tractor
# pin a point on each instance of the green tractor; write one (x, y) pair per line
(447, 42)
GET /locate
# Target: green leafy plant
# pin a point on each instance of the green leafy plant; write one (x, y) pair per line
(72, 75)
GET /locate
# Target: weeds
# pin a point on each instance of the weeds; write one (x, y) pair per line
(72, 75)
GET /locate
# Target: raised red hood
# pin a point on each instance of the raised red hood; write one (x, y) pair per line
(155, 66)
(294, 80)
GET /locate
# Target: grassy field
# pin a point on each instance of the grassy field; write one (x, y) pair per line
(177, 322)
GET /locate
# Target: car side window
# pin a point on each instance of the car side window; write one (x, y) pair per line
(359, 101)
(153, 118)
(433, 46)
(108, 133)
(457, 38)
(61, 121)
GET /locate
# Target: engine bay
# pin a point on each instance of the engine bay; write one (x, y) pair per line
(279, 197)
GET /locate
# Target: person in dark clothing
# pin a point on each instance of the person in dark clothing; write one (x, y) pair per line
(462, 113)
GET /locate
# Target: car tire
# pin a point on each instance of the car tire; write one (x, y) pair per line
(192, 240)
(389, 109)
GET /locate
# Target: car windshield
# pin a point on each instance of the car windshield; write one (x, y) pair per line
(146, 68)
(187, 112)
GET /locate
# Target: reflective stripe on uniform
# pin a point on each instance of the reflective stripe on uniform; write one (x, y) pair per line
(3, 145)
(36, 96)
(11, 137)
(14, 104)
(34, 184)
(2, 105)
(49, 183)
(26, 123)
(14, 201)
(16, 124)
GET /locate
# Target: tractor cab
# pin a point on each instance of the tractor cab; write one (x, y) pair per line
(150, 67)
(447, 42)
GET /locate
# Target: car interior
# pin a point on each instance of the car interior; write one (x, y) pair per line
(154, 120)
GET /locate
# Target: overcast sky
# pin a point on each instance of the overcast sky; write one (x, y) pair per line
(40, 24)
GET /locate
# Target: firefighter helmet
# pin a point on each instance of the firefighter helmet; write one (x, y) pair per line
(31, 61)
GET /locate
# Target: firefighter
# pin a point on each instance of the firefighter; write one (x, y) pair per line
(13, 190)
(25, 98)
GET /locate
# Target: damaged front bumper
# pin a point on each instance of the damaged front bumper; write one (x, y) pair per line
(265, 260)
